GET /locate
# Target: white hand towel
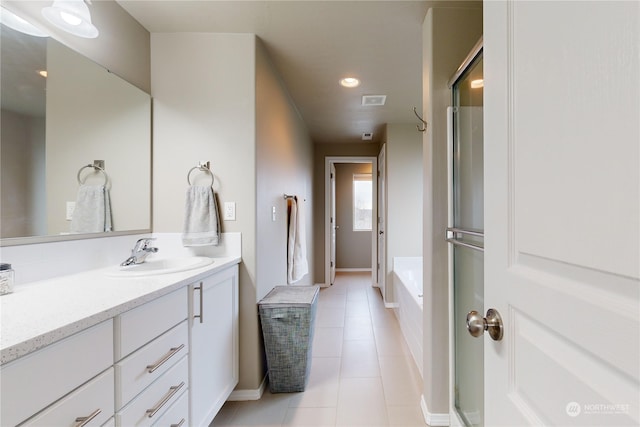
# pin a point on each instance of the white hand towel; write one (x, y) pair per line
(92, 213)
(297, 265)
(201, 220)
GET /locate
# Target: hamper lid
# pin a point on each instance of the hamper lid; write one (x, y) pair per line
(290, 295)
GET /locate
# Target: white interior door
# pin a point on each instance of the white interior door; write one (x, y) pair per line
(382, 209)
(562, 212)
(334, 226)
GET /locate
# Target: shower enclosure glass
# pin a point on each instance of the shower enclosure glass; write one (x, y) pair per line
(466, 235)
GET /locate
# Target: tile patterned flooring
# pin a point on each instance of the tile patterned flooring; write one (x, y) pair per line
(361, 373)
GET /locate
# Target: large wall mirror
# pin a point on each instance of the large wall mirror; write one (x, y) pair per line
(60, 113)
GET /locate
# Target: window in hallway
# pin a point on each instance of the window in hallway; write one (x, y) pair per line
(362, 202)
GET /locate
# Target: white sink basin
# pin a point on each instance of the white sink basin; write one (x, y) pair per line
(160, 266)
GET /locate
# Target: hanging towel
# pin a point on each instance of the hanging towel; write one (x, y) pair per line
(201, 220)
(92, 213)
(297, 265)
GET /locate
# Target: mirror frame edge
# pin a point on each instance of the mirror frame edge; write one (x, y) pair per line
(19, 241)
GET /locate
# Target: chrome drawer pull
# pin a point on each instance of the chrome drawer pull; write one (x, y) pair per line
(179, 424)
(199, 288)
(172, 391)
(83, 421)
(172, 351)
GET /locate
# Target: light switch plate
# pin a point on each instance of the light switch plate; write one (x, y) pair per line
(230, 211)
(71, 206)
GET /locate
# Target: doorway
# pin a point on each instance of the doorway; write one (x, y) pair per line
(359, 224)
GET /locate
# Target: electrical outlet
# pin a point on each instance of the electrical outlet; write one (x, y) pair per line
(230, 211)
(71, 206)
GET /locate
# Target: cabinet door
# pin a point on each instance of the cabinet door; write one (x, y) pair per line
(214, 344)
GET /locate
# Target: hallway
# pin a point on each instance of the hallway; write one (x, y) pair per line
(362, 373)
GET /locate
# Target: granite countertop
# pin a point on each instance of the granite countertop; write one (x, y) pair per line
(40, 313)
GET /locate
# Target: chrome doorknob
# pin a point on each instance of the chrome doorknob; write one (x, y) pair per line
(492, 323)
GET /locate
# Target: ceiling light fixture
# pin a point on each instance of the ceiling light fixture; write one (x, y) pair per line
(43, 73)
(476, 84)
(350, 82)
(14, 22)
(72, 16)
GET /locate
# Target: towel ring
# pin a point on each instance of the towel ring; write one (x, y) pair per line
(95, 167)
(203, 169)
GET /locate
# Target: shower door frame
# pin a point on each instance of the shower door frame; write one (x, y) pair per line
(476, 51)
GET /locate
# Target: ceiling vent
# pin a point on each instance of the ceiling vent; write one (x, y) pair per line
(374, 100)
(367, 136)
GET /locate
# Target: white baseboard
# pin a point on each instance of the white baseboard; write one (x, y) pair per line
(323, 285)
(251, 394)
(433, 420)
(351, 270)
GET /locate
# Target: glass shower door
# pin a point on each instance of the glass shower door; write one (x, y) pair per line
(466, 235)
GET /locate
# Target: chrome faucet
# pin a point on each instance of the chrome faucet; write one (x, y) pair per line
(140, 251)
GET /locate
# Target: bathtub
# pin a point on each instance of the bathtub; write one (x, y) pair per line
(407, 287)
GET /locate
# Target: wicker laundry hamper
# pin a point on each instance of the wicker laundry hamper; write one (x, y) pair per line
(287, 316)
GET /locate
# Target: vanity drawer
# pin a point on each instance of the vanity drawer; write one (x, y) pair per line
(137, 327)
(177, 415)
(93, 401)
(133, 372)
(56, 370)
(148, 406)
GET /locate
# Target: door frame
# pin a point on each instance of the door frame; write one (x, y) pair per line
(381, 222)
(328, 161)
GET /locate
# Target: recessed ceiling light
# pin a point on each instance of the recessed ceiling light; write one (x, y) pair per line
(350, 82)
(475, 84)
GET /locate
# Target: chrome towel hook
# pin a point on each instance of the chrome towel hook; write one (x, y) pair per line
(424, 124)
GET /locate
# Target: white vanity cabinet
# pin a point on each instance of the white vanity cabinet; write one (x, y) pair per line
(213, 333)
(152, 372)
(168, 360)
(68, 380)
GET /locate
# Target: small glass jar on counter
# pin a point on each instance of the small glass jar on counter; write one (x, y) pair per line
(6, 279)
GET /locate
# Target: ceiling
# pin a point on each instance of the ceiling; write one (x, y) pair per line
(313, 44)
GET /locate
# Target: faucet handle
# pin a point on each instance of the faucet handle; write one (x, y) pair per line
(143, 243)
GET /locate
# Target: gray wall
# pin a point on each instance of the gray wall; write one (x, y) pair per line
(22, 192)
(353, 248)
(448, 36)
(217, 98)
(321, 152)
(403, 217)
